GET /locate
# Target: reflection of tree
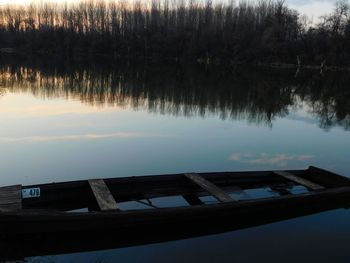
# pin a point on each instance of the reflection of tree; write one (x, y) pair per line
(328, 97)
(258, 96)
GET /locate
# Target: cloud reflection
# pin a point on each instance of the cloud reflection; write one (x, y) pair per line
(279, 159)
(90, 136)
(60, 108)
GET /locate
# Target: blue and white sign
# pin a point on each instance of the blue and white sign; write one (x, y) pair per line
(30, 193)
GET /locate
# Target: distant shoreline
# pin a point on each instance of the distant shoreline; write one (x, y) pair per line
(9, 52)
(253, 33)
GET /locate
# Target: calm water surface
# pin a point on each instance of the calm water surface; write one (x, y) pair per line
(60, 124)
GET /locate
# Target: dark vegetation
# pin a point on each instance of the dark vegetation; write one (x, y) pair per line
(258, 95)
(189, 31)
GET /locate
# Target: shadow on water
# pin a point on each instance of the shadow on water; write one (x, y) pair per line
(256, 95)
(74, 242)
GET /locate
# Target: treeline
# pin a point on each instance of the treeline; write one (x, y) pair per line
(258, 96)
(186, 30)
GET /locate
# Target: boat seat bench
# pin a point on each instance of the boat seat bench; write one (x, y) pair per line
(104, 197)
(209, 187)
(299, 180)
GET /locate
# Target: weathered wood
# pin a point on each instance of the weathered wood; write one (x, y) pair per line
(103, 196)
(74, 195)
(299, 180)
(77, 194)
(192, 199)
(210, 187)
(10, 198)
(42, 221)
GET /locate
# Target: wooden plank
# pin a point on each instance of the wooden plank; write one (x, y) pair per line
(75, 195)
(10, 198)
(104, 198)
(193, 199)
(299, 180)
(209, 187)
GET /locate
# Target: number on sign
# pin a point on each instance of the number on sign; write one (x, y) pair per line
(30, 193)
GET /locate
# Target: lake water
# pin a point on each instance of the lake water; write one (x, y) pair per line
(70, 122)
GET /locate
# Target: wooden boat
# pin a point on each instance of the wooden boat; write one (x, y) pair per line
(40, 212)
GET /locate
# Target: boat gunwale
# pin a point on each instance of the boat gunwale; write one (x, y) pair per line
(40, 205)
(164, 177)
(234, 205)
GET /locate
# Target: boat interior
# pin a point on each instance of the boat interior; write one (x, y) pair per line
(161, 191)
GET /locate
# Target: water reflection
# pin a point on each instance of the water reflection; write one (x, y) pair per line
(280, 159)
(84, 136)
(256, 95)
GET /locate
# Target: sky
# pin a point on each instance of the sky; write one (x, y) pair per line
(312, 8)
